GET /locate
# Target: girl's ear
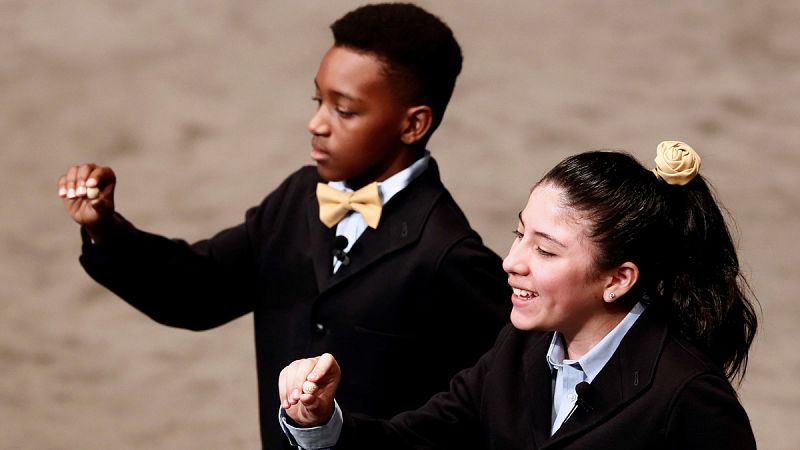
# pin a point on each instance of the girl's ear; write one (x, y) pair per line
(620, 281)
(418, 122)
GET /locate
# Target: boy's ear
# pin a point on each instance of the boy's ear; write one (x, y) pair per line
(620, 281)
(418, 122)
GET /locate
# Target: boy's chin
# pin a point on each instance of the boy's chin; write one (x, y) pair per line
(329, 175)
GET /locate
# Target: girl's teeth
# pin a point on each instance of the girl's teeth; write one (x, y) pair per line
(522, 293)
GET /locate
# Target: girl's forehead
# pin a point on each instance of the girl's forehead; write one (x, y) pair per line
(549, 200)
(548, 212)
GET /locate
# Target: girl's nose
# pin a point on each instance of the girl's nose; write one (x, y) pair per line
(514, 262)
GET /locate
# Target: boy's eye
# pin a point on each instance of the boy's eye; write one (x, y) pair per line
(317, 100)
(517, 234)
(344, 113)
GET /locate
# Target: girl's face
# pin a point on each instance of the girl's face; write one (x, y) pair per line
(550, 268)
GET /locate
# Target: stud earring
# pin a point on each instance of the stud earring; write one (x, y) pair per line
(611, 296)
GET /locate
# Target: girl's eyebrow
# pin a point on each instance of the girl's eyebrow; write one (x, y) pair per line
(549, 238)
(541, 234)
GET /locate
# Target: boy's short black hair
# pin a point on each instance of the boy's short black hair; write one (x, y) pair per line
(421, 55)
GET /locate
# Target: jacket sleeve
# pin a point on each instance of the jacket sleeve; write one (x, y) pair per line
(707, 415)
(196, 286)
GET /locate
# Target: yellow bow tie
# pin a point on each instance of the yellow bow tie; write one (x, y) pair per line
(334, 204)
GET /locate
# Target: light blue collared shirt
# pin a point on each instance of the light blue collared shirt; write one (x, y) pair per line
(353, 224)
(571, 372)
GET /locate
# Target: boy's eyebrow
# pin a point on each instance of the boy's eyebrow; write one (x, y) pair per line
(338, 93)
(541, 234)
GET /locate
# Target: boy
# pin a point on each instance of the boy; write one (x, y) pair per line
(392, 274)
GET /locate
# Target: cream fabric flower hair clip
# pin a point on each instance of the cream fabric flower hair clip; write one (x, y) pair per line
(676, 163)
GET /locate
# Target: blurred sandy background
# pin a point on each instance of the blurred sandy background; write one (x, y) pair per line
(201, 108)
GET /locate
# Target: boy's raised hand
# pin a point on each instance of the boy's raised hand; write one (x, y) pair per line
(306, 409)
(88, 194)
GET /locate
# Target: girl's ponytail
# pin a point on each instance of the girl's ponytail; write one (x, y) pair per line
(705, 293)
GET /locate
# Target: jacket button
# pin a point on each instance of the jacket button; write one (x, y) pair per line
(319, 328)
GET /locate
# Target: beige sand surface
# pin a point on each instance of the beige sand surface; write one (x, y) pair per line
(201, 107)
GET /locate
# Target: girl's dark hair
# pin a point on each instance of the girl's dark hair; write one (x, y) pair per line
(677, 237)
(421, 56)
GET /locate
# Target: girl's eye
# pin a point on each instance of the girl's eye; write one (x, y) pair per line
(544, 252)
(317, 100)
(517, 234)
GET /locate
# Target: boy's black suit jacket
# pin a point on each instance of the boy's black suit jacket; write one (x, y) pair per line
(421, 298)
(656, 392)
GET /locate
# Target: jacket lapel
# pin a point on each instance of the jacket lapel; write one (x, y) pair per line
(538, 384)
(627, 374)
(402, 222)
(320, 244)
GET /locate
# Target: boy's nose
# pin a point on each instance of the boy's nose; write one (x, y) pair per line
(317, 125)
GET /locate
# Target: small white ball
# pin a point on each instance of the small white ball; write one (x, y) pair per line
(309, 387)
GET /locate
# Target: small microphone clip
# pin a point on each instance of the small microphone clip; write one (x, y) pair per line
(584, 391)
(339, 244)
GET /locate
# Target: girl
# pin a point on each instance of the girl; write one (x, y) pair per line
(630, 319)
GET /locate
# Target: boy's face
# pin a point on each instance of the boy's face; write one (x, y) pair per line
(358, 123)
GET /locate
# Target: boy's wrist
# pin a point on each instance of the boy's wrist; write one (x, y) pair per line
(103, 230)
